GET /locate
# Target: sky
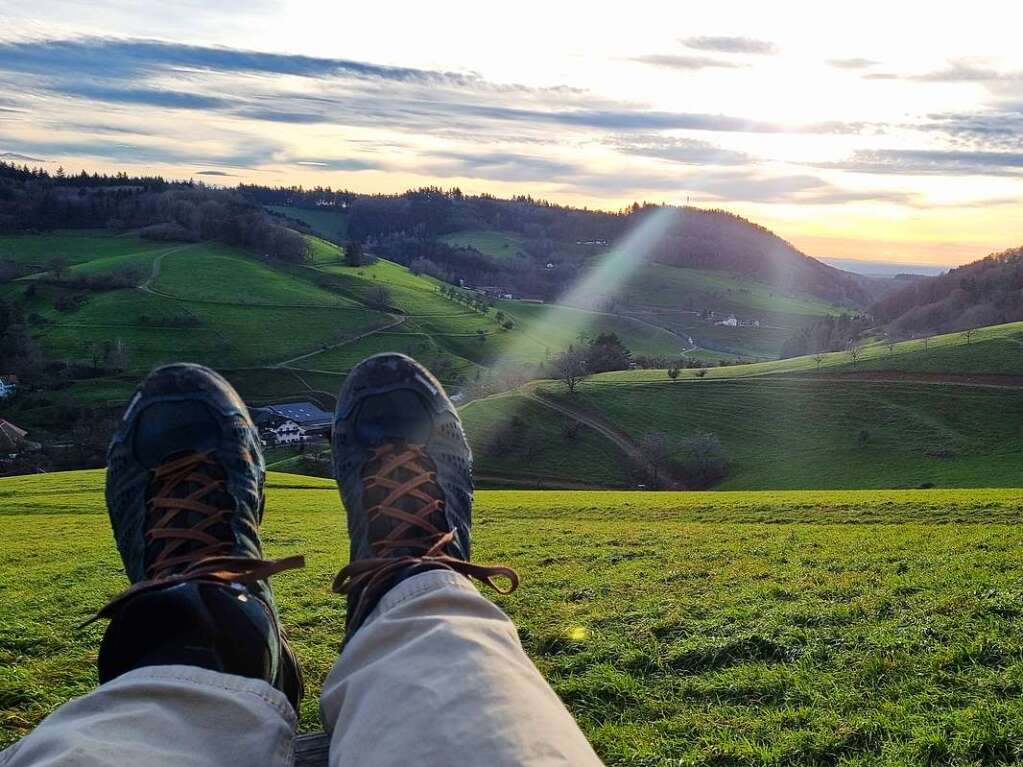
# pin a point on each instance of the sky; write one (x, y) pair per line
(878, 131)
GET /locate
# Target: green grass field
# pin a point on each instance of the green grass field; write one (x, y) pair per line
(810, 628)
(669, 286)
(903, 417)
(501, 246)
(514, 437)
(327, 223)
(992, 350)
(35, 252)
(793, 433)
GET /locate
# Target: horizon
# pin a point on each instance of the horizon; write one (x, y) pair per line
(841, 139)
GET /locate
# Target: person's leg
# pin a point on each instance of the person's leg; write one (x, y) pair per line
(194, 666)
(432, 672)
(165, 715)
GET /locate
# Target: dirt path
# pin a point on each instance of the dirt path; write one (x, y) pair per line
(619, 438)
(154, 272)
(397, 321)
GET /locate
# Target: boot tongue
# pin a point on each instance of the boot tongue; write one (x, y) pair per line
(167, 429)
(399, 415)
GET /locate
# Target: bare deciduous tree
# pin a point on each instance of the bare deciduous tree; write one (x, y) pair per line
(658, 448)
(855, 351)
(570, 367)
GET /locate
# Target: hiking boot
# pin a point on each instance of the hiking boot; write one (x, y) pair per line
(404, 470)
(185, 494)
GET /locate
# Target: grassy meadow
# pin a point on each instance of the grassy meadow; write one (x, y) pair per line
(828, 434)
(948, 415)
(746, 628)
(216, 305)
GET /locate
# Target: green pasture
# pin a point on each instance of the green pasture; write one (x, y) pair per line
(992, 350)
(807, 433)
(497, 245)
(809, 628)
(325, 222)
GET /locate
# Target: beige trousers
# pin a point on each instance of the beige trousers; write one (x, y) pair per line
(436, 676)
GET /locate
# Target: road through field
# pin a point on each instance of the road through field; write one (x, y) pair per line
(619, 438)
(397, 320)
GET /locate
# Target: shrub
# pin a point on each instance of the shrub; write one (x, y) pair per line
(703, 461)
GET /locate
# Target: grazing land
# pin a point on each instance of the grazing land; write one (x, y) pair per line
(499, 245)
(328, 223)
(947, 414)
(217, 305)
(819, 628)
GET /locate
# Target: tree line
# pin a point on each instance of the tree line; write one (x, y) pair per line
(35, 200)
(985, 292)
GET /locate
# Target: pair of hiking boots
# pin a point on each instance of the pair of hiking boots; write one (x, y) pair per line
(184, 489)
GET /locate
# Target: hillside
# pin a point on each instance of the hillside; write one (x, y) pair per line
(721, 241)
(985, 292)
(515, 240)
(949, 415)
(90, 312)
(657, 617)
(709, 265)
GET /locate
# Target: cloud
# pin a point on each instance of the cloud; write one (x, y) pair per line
(932, 161)
(995, 129)
(502, 166)
(966, 71)
(853, 63)
(146, 96)
(117, 58)
(213, 173)
(727, 185)
(15, 157)
(339, 164)
(731, 45)
(147, 73)
(281, 116)
(673, 61)
(680, 150)
(245, 155)
(804, 189)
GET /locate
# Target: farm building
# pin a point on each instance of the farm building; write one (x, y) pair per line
(8, 384)
(287, 432)
(13, 439)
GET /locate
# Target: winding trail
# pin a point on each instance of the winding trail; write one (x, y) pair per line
(622, 440)
(154, 271)
(397, 320)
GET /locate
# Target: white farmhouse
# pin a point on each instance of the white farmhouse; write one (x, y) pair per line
(285, 433)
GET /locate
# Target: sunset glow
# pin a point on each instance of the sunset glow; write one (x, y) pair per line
(828, 128)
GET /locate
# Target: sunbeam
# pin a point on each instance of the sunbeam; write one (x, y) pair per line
(604, 280)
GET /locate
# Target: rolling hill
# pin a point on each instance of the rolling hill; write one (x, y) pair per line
(117, 304)
(984, 292)
(948, 415)
(710, 266)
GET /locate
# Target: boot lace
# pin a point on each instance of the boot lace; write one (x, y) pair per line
(192, 552)
(406, 476)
